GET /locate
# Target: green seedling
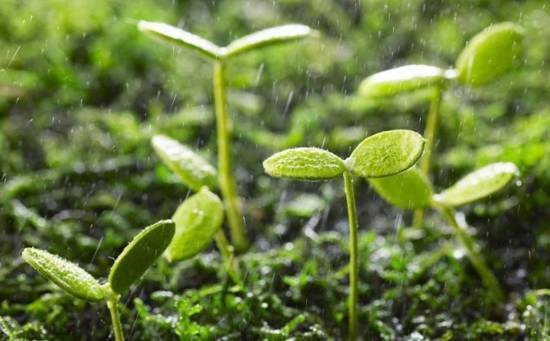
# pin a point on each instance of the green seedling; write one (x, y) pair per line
(383, 154)
(128, 268)
(489, 55)
(199, 218)
(412, 190)
(220, 56)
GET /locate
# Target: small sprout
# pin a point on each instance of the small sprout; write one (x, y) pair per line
(140, 254)
(66, 275)
(490, 54)
(304, 164)
(478, 184)
(408, 190)
(402, 79)
(197, 220)
(386, 153)
(193, 170)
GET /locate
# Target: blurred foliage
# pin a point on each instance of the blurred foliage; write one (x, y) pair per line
(82, 92)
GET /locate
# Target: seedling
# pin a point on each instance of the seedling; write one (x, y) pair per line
(412, 190)
(383, 154)
(220, 56)
(489, 55)
(128, 268)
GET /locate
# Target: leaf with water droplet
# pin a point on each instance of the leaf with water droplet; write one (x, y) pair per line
(490, 54)
(403, 79)
(193, 170)
(305, 164)
(478, 184)
(181, 38)
(407, 190)
(386, 153)
(66, 275)
(197, 220)
(267, 37)
(140, 254)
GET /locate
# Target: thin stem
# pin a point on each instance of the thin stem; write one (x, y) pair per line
(353, 256)
(430, 133)
(225, 178)
(487, 276)
(228, 255)
(112, 304)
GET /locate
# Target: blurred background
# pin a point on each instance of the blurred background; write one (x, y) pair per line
(82, 91)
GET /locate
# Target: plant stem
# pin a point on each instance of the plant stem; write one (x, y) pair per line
(487, 276)
(225, 178)
(228, 256)
(430, 134)
(112, 304)
(353, 261)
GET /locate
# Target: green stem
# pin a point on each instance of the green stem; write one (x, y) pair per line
(430, 134)
(487, 276)
(112, 304)
(226, 251)
(353, 254)
(225, 178)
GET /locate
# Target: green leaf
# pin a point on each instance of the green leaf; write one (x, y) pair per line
(478, 184)
(305, 164)
(197, 220)
(140, 254)
(180, 38)
(193, 170)
(66, 275)
(490, 54)
(386, 153)
(407, 190)
(403, 79)
(267, 37)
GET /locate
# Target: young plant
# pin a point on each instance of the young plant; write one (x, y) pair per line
(489, 55)
(412, 190)
(127, 269)
(220, 56)
(383, 154)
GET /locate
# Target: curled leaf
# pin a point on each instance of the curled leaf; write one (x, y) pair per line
(180, 38)
(193, 170)
(490, 54)
(267, 37)
(140, 254)
(386, 153)
(478, 184)
(197, 220)
(407, 190)
(402, 79)
(66, 275)
(305, 164)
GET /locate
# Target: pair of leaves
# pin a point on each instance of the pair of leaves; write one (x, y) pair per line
(489, 55)
(130, 265)
(411, 189)
(267, 37)
(383, 154)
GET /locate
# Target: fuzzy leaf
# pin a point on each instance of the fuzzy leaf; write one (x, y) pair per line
(479, 184)
(490, 54)
(193, 170)
(180, 38)
(66, 275)
(402, 79)
(267, 37)
(386, 153)
(140, 254)
(305, 164)
(197, 220)
(407, 190)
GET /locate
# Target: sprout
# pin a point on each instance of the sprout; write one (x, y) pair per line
(129, 267)
(220, 55)
(383, 154)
